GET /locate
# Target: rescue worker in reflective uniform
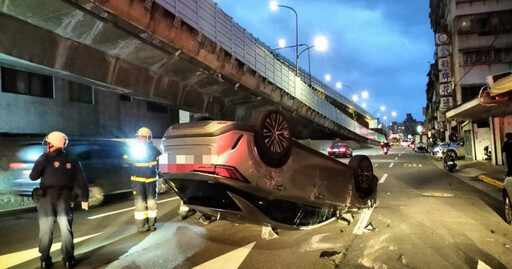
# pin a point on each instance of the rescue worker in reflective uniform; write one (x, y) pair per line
(144, 180)
(60, 174)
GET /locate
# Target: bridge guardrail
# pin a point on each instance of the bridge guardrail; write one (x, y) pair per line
(207, 18)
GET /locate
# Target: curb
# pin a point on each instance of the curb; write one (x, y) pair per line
(491, 181)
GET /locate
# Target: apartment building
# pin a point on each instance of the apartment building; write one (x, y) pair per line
(473, 41)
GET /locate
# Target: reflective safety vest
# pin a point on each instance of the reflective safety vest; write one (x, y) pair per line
(145, 163)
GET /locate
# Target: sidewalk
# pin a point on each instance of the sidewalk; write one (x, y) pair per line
(483, 170)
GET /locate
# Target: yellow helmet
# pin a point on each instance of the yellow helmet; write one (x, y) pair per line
(145, 132)
(57, 139)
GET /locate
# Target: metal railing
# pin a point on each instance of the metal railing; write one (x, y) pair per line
(207, 18)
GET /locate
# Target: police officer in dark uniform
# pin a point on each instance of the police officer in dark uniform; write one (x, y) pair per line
(144, 180)
(60, 174)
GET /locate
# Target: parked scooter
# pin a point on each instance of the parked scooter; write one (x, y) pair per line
(487, 152)
(449, 160)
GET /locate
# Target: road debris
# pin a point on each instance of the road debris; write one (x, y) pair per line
(346, 219)
(401, 258)
(268, 233)
(334, 256)
(369, 228)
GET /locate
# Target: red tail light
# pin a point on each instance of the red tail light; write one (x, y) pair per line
(223, 171)
(18, 165)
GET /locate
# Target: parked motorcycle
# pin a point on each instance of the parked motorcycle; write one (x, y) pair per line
(449, 160)
(487, 152)
(385, 150)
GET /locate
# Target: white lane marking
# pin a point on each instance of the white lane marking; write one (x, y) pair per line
(365, 216)
(127, 209)
(396, 158)
(400, 154)
(230, 260)
(482, 265)
(383, 178)
(391, 165)
(15, 258)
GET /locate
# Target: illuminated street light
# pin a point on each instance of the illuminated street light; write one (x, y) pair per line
(274, 6)
(355, 97)
(365, 94)
(393, 114)
(282, 43)
(328, 77)
(364, 105)
(338, 85)
(321, 43)
(382, 108)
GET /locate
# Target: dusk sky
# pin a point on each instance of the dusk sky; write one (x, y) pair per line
(382, 46)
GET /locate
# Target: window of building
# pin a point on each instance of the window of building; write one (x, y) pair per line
(487, 56)
(125, 98)
(27, 83)
(81, 93)
(470, 92)
(486, 24)
(156, 107)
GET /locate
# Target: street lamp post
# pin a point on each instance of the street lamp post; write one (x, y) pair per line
(273, 6)
(320, 44)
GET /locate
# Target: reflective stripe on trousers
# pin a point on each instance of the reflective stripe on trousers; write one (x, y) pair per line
(140, 214)
(143, 179)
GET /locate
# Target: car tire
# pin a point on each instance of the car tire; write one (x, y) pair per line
(272, 124)
(364, 179)
(96, 195)
(507, 204)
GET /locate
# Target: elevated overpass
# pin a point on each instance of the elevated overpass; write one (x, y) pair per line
(185, 53)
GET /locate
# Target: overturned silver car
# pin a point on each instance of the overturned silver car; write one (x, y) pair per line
(257, 173)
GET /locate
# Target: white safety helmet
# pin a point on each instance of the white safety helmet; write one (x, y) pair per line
(57, 139)
(145, 132)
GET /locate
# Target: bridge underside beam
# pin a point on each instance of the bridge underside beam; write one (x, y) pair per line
(147, 53)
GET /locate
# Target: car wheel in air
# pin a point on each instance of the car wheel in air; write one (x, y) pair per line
(365, 181)
(96, 195)
(272, 137)
(508, 207)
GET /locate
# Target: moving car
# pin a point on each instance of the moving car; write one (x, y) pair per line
(456, 149)
(421, 146)
(405, 143)
(338, 150)
(256, 173)
(104, 163)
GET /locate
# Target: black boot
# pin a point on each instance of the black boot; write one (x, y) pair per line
(151, 224)
(142, 225)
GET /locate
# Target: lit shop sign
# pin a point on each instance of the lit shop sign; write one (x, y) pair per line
(443, 49)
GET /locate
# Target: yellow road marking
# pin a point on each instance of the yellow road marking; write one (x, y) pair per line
(491, 181)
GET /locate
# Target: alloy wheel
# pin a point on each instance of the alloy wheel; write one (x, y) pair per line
(276, 133)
